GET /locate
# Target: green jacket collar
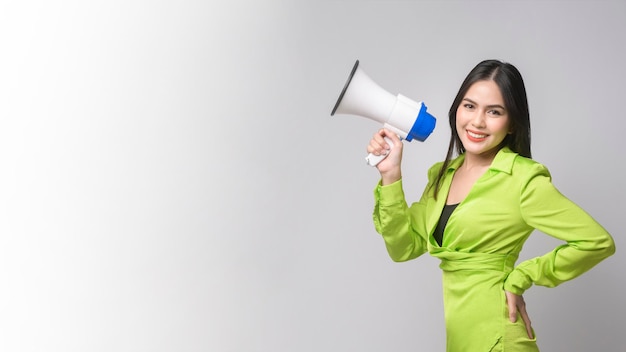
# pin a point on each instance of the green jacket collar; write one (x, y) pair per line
(503, 161)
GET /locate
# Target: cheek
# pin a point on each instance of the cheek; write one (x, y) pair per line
(460, 118)
(458, 124)
(502, 126)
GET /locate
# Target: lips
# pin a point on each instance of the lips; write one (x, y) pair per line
(476, 137)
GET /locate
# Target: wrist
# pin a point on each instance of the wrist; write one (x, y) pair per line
(390, 177)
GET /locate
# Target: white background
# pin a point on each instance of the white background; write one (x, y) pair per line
(171, 178)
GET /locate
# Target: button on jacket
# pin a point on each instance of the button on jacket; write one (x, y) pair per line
(482, 241)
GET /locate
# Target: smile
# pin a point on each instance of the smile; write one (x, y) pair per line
(476, 136)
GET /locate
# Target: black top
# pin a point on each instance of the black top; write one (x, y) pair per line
(443, 220)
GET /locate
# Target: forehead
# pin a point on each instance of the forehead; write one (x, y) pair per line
(485, 93)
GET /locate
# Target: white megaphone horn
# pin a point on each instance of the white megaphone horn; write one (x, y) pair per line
(361, 96)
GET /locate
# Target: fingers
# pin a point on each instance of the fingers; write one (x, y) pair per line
(511, 302)
(378, 145)
(391, 135)
(516, 303)
(387, 143)
(526, 319)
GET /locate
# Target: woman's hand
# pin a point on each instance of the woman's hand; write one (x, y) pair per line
(516, 303)
(389, 168)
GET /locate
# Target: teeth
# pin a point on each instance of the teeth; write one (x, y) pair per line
(475, 135)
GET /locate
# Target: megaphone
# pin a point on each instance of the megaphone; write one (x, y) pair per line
(361, 96)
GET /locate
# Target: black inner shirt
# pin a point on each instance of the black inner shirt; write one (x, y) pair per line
(443, 220)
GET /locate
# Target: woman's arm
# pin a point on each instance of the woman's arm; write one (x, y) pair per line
(399, 225)
(394, 220)
(546, 209)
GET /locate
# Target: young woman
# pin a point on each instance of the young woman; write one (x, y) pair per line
(478, 209)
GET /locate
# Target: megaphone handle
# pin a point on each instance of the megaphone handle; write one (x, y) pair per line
(373, 160)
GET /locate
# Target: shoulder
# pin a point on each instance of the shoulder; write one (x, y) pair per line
(527, 167)
(518, 166)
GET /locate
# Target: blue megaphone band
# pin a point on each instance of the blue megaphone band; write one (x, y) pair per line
(423, 126)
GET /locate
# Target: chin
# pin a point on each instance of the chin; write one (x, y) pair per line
(473, 148)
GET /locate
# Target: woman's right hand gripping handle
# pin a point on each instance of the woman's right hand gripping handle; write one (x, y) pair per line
(387, 142)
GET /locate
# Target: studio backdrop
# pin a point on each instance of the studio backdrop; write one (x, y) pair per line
(171, 177)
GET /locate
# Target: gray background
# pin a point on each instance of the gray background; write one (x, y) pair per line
(171, 179)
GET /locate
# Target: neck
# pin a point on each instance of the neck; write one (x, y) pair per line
(478, 161)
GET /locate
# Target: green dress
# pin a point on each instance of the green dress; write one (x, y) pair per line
(482, 241)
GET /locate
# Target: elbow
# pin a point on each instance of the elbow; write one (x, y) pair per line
(610, 246)
(399, 256)
(396, 256)
(398, 259)
(606, 246)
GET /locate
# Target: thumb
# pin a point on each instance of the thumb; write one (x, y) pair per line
(512, 304)
(394, 138)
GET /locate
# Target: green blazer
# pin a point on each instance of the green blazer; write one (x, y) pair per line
(482, 241)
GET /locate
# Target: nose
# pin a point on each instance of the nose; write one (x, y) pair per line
(478, 119)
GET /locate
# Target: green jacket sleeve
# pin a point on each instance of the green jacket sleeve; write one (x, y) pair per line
(396, 222)
(587, 243)
(403, 228)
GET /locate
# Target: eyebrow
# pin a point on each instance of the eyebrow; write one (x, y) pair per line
(488, 106)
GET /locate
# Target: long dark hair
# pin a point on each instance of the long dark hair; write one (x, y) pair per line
(511, 85)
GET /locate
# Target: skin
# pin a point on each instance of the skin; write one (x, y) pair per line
(482, 123)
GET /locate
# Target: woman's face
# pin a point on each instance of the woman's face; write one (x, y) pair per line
(482, 120)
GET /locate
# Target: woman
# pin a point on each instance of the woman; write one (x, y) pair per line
(477, 211)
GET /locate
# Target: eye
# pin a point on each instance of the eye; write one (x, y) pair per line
(495, 112)
(468, 106)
